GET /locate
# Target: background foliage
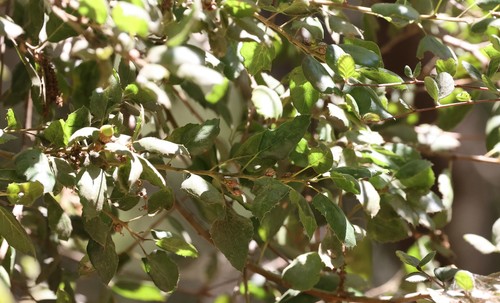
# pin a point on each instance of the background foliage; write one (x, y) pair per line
(142, 136)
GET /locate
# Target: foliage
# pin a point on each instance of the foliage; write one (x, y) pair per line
(271, 130)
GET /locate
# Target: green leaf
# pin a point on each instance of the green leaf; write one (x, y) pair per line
(150, 173)
(317, 75)
(427, 258)
(174, 243)
(257, 56)
(240, 8)
(83, 134)
(303, 94)
(163, 147)
(76, 121)
(383, 76)
(487, 4)
(34, 165)
(446, 66)
(24, 193)
(268, 193)
(12, 121)
(346, 182)
(464, 280)
(369, 198)
(481, 244)
(138, 291)
(336, 218)
(97, 227)
(231, 235)
(362, 55)
(265, 148)
(306, 215)
(398, 14)
(91, 184)
(304, 271)
(103, 100)
(199, 188)
(346, 66)
(5, 137)
(320, 158)
(96, 10)
(407, 259)
(435, 46)
(445, 84)
(197, 138)
(416, 174)
(162, 199)
(59, 221)
(368, 102)
(179, 32)
(14, 233)
(313, 25)
(10, 29)
(267, 102)
(472, 70)
(57, 29)
(432, 88)
(55, 133)
(162, 270)
(343, 26)
(103, 258)
(130, 18)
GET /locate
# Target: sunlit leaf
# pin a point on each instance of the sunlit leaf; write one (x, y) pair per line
(465, 280)
(317, 75)
(267, 102)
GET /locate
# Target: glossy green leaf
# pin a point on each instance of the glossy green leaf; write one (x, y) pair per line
(472, 70)
(240, 8)
(369, 198)
(368, 102)
(257, 56)
(162, 270)
(306, 215)
(138, 291)
(24, 193)
(14, 233)
(55, 133)
(416, 174)
(336, 219)
(304, 271)
(446, 273)
(231, 235)
(435, 46)
(174, 244)
(130, 18)
(432, 88)
(427, 258)
(345, 182)
(465, 280)
(346, 66)
(343, 26)
(197, 138)
(96, 10)
(76, 121)
(317, 75)
(362, 56)
(163, 147)
(103, 258)
(34, 165)
(383, 76)
(303, 94)
(488, 4)
(267, 102)
(398, 14)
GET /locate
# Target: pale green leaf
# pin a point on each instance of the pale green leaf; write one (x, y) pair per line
(432, 88)
(130, 18)
(257, 56)
(96, 10)
(465, 280)
(346, 66)
(303, 94)
(174, 244)
(481, 244)
(138, 291)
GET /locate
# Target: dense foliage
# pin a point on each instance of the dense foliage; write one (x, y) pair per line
(142, 133)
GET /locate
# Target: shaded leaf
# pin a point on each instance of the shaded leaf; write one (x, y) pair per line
(103, 258)
(304, 271)
(162, 199)
(427, 258)
(150, 173)
(59, 221)
(13, 232)
(416, 173)
(362, 56)
(435, 46)
(197, 138)
(346, 182)
(407, 259)
(268, 193)
(199, 188)
(34, 165)
(231, 235)
(398, 14)
(306, 215)
(336, 218)
(162, 270)
(383, 76)
(317, 75)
